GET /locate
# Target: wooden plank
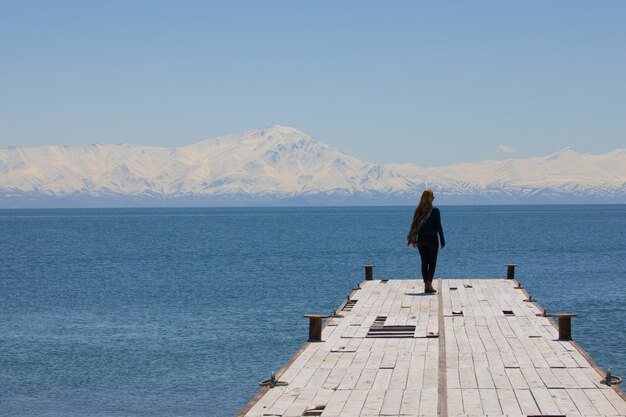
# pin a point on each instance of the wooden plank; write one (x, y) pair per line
(452, 378)
(526, 402)
(335, 378)
(428, 401)
(580, 378)
(322, 398)
(381, 382)
(346, 359)
(471, 402)
(350, 379)
(582, 402)
(354, 404)
(508, 402)
(549, 379)
(490, 402)
(544, 400)
(431, 378)
(518, 382)
(533, 380)
(392, 403)
(508, 359)
(400, 374)
(564, 402)
(565, 377)
(330, 360)
(483, 378)
(265, 402)
(373, 403)
(551, 358)
(600, 402)
(305, 398)
(615, 400)
(336, 403)
(366, 379)
(594, 377)
(376, 355)
(500, 378)
(455, 402)
(467, 377)
(410, 403)
(415, 380)
(390, 356)
(348, 332)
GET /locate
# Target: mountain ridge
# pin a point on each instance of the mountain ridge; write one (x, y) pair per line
(282, 165)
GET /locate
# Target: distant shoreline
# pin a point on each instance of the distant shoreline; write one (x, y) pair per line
(318, 206)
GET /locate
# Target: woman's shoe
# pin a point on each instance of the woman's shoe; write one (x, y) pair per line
(428, 287)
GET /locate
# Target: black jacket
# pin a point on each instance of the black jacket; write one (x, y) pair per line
(432, 227)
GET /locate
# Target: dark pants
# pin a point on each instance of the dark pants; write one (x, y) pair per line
(428, 247)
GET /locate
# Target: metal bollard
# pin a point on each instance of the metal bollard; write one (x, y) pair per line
(565, 325)
(369, 272)
(315, 326)
(510, 271)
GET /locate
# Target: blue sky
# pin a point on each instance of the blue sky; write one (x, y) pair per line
(429, 83)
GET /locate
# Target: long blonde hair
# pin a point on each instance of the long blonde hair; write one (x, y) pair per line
(425, 201)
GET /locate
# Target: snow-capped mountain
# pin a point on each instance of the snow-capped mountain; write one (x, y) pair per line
(281, 165)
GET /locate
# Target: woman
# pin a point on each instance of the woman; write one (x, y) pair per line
(423, 235)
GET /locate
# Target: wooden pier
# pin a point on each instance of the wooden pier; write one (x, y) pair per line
(479, 347)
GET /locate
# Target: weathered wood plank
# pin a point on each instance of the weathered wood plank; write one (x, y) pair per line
(549, 379)
(527, 402)
(518, 382)
(483, 378)
(373, 403)
(564, 402)
(355, 403)
(392, 403)
(428, 402)
(532, 378)
(400, 372)
(544, 400)
(582, 402)
(600, 402)
(382, 380)
(336, 403)
(490, 402)
(410, 403)
(565, 377)
(455, 402)
(615, 400)
(471, 402)
(508, 402)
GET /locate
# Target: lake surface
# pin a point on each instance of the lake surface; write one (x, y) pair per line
(160, 312)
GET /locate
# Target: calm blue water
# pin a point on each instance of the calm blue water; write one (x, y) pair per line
(160, 312)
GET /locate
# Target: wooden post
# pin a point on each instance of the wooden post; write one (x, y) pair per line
(315, 327)
(510, 271)
(565, 325)
(369, 272)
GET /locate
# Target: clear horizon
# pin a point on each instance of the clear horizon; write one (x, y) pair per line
(428, 84)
